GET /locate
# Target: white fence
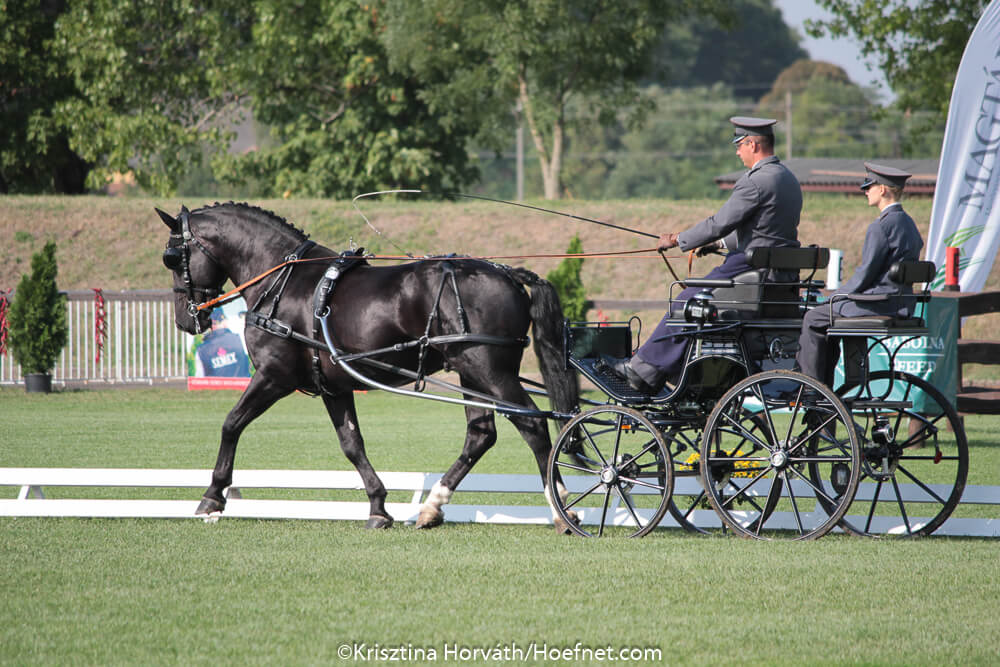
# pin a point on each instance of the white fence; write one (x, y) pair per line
(32, 482)
(141, 344)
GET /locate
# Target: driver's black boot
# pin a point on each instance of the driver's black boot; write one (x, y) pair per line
(624, 370)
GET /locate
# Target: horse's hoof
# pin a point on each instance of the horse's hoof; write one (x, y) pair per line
(376, 521)
(562, 528)
(210, 506)
(430, 519)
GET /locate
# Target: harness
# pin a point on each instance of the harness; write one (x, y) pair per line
(321, 313)
(179, 257)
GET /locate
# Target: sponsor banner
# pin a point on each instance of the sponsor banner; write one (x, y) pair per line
(966, 212)
(933, 357)
(218, 359)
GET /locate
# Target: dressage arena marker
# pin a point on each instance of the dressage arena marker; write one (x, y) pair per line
(31, 500)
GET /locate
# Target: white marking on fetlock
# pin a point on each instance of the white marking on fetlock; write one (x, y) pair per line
(439, 495)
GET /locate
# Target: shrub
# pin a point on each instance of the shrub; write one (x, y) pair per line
(566, 279)
(38, 328)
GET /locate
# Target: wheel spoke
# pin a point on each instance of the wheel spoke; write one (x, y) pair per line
(795, 504)
(583, 495)
(604, 512)
(639, 482)
(817, 489)
(590, 438)
(871, 510)
(902, 507)
(928, 490)
(628, 505)
(746, 435)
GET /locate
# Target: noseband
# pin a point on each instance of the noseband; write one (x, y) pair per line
(178, 258)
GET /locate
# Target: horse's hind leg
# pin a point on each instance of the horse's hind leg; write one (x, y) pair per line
(480, 435)
(345, 421)
(259, 395)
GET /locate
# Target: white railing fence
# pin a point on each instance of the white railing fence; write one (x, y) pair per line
(141, 344)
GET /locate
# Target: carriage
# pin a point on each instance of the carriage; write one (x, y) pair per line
(775, 453)
(742, 444)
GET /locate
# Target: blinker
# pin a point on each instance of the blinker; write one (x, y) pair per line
(173, 258)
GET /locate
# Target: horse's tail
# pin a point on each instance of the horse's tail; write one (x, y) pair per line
(547, 319)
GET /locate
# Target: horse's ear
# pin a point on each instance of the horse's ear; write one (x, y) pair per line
(169, 220)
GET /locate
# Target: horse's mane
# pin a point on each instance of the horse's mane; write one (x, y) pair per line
(258, 213)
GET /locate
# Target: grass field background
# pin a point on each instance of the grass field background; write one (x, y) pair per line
(293, 592)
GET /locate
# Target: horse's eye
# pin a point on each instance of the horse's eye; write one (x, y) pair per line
(172, 258)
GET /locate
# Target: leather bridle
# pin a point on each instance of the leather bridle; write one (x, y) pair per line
(177, 258)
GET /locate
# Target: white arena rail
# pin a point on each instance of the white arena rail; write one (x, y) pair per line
(31, 500)
(142, 345)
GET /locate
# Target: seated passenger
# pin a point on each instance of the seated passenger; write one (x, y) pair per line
(892, 238)
(763, 211)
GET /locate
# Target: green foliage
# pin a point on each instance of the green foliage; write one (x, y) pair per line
(480, 58)
(344, 120)
(38, 327)
(833, 117)
(154, 81)
(679, 152)
(566, 279)
(918, 44)
(35, 153)
(707, 49)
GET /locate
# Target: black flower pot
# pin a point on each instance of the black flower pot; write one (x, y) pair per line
(38, 383)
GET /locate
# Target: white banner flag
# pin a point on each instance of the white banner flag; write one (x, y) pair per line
(966, 212)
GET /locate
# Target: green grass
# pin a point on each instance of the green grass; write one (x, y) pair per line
(291, 592)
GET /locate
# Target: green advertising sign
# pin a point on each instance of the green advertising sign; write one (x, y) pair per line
(933, 357)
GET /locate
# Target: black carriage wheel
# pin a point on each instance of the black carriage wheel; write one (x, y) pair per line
(915, 460)
(762, 440)
(684, 443)
(616, 471)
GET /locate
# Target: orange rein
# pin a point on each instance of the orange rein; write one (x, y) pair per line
(233, 293)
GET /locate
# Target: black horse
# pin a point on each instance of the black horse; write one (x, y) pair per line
(370, 308)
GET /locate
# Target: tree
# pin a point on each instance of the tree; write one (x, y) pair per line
(38, 328)
(159, 84)
(568, 284)
(681, 149)
(481, 58)
(154, 83)
(745, 48)
(35, 154)
(918, 44)
(346, 123)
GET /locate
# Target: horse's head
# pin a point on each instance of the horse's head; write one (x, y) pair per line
(198, 275)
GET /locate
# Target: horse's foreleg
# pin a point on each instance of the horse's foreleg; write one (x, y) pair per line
(259, 395)
(345, 421)
(480, 435)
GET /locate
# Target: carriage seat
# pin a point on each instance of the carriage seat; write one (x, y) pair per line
(753, 296)
(905, 274)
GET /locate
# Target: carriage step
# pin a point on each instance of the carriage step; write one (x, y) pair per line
(872, 403)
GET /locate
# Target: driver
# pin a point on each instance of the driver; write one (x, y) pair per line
(763, 211)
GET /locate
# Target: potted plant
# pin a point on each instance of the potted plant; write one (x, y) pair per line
(37, 317)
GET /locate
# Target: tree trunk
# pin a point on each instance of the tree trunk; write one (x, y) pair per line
(549, 160)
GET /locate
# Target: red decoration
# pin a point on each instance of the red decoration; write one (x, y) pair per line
(3, 321)
(100, 323)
